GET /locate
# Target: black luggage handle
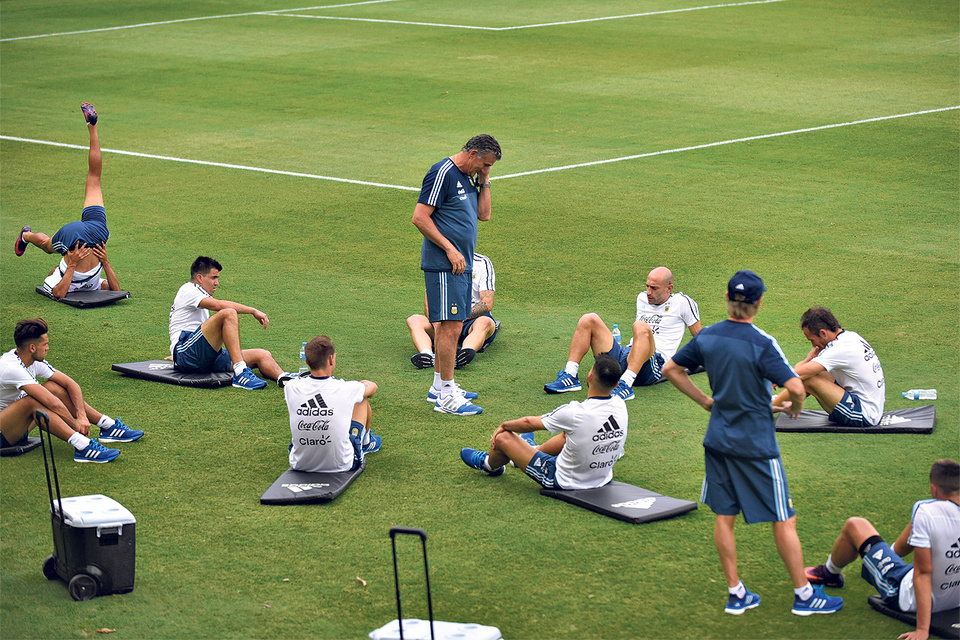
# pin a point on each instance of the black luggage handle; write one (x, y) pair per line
(394, 532)
(56, 511)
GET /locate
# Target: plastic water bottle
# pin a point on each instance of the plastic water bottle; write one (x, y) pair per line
(920, 394)
(616, 334)
(303, 357)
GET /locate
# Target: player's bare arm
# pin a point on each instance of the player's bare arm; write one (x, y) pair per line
(213, 304)
(111, 284)
(485, 305)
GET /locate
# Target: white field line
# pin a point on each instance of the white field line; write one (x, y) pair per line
(504, 177)
(213, 164)
(726, 142)
(230, 15)
(526, 26)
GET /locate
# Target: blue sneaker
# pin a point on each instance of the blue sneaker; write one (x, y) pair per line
(374, 445)
(89, 113)
(475, 459)
(95, 452)
(529, 438)
(623, 391)
(434, 394)
(819, 602)
(737, 606)
(21, 245)
(457, 404)
(246, 380)
(119, 432)
(564, 382)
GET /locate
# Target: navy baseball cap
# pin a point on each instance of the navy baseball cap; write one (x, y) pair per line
(745, 286)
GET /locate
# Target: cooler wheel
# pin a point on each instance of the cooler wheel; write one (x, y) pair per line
(82, 587)
(50, 568)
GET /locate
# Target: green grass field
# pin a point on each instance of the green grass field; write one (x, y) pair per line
(862, 218)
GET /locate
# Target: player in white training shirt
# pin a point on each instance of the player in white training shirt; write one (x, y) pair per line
(21, 395)
(329, 417)
(931, 583)
(81, 269)
(662, 317)
(842, 371)
(204, 343)
(479, 329)
(588, 438)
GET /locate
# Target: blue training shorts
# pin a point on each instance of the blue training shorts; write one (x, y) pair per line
(884, 569)
(194, 353)
(448, 295)
(849, 412)
(755, 487)
(649, 373)
(90, 230)
(543, 469)
(466, 330)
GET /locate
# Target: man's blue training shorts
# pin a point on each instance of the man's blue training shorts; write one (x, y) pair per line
(194, 353)
(90, 230)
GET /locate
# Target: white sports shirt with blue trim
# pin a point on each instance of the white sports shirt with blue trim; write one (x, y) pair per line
(596, 432)
(186, 314)
(321, 410)
(81, 281)
(935, 525)
(668, 320)
(855, 366)
(14, 375)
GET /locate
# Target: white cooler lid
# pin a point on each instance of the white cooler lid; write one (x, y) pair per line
(93, 511)
(414, 629)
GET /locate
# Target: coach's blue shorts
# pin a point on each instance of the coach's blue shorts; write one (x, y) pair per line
(849, 412)
(448, 295)
(90, 230)
(884, 569)
(194, 353)
(757, 488)
(649, 373)
(466, 331)
(543, 469)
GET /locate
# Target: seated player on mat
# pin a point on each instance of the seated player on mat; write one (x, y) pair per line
(842, 371)
(662, 317)
(88, 232)
(479, 329)
(60, 396)
(589, 438)
(329, 417)
(928, 585)
(203, 343)
(81, 270)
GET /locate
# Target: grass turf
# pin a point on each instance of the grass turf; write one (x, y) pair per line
(862, 219)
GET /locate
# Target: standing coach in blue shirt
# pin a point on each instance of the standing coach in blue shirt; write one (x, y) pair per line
(454, 197)
(744, 472)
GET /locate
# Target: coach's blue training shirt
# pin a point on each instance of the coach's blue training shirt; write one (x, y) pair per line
(741, 361)
(454, 195)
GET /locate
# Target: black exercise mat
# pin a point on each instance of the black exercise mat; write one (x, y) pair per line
(945, 624)
(910, 420)
(20, 448)
(87, 299)
(624, 502)
(299, 487)
(163, 371)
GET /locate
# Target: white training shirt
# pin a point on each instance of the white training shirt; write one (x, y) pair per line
(484, 278)
(186, 314)
(321, 410)
(14, 375)
(81, 281)
(935, 525)
(596, 431)
(668, 320)
(856, 367)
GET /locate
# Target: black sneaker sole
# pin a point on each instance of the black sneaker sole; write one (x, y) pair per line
(465, 357)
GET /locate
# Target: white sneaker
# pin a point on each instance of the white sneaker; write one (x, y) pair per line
(457, 405)
(434, 394)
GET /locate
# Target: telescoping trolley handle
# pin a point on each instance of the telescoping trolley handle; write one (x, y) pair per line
(394, 532)
(43, 422)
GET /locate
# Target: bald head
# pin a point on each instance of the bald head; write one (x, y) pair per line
(659, 285)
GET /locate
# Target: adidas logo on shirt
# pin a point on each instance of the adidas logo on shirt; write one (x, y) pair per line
(610, 429)
(315, 406)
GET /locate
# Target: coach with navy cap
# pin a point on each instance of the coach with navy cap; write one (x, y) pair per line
(744, 472)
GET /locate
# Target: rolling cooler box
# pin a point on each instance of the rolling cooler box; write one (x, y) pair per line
(94, 538)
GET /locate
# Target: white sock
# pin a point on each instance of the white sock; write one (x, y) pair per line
(79, 441)
(427, 351)
(446, 388)
(832, 568)
(106, 421)
(573, 368)
(239, 367)
(436, 380)
(486, 463)
(628, 377)
(739, 591)
(805, 592)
